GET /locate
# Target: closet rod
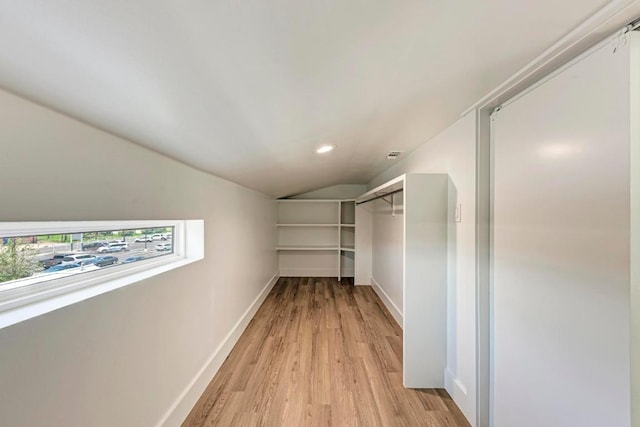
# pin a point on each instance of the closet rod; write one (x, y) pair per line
(380, 196)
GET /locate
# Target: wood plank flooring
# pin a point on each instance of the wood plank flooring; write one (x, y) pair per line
(320, 353)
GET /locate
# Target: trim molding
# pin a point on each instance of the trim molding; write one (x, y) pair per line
(601, 24)
(451, 382)
(458, 393)
(183, 404)
(393, 309)
(314, 272)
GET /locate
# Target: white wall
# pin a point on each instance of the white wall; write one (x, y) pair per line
(635, 229)
(561, 249)
(453, 152)
(364, 241)
(125, 357)
(387, 243)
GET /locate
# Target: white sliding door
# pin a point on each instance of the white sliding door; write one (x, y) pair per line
(560, 276)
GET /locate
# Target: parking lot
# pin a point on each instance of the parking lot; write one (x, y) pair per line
(58, 260)
(136, 249)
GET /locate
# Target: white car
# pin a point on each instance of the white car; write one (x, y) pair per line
(163, 247)
(79, 259)
(114, 247)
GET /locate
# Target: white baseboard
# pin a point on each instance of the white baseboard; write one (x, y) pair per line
(458, 393)
(190, 395)
(314, 272)
(308, 272)
(393, 309)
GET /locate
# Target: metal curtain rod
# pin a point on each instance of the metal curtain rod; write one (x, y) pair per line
(380, 196)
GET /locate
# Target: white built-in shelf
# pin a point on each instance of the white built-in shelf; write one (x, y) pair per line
(298, 201)
(308, 248)
(388, 187)
(309, 230)
(309, 225)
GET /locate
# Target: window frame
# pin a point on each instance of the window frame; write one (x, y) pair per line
(19, 303)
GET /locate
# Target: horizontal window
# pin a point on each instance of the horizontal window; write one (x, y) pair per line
(44, 266)
(26, 260)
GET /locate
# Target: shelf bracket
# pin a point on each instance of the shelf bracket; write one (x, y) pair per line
(393, 205)
(381, 196)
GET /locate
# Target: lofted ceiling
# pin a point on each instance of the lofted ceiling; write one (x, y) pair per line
(247, 89)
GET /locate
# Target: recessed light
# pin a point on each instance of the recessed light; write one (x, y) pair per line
(325, 148)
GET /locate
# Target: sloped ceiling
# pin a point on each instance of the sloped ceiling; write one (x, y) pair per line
(246, 89)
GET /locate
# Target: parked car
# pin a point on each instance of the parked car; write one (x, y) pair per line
(55, 260)
(133, 259)
(63, 270)
(103, 261)
(143, 239)
(93, 245)
(158, 237)
(114, 247)
(163, 247)
(79, 259)
(62, 267)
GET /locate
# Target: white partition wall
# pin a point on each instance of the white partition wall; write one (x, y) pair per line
(364, 242)
(452, 152)
(561, 285)
(409, 267)
(425, 280)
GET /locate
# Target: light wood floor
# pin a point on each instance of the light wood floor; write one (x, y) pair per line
(319, 353)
